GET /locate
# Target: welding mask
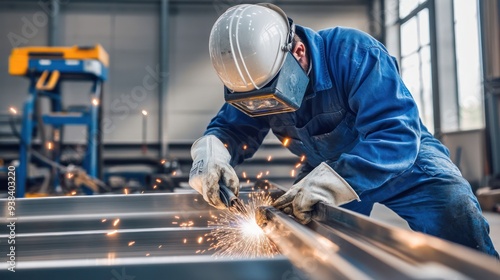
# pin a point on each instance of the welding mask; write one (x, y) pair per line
(250, 49)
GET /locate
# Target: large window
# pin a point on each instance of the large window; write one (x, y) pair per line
(416, 57)
(467, 51)
(407, 6)
(457, 50)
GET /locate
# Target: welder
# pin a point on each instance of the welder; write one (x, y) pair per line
(337, 98)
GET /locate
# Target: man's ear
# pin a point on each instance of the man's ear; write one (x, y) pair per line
(299, 52)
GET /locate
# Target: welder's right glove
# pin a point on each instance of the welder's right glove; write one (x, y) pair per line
(211, 164)
(321, 184)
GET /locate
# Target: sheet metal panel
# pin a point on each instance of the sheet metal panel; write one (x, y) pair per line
(75, 238)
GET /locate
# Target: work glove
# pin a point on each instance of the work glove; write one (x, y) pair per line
(210, 165)
(322, 184)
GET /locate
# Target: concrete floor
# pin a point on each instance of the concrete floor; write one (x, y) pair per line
(384, 214)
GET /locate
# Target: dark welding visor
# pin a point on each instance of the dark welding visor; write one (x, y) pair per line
(284, 93)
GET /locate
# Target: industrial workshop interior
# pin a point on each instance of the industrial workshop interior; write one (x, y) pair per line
(226, 139)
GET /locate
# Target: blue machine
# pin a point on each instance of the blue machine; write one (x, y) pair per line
(47, 68)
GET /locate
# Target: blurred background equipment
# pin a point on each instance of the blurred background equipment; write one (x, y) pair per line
(47, 68)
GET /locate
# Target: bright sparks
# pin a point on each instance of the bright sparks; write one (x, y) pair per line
(237, 235)
(13, 110)
(286, 141)
(187, 224)
(95, 101)
(144, 112)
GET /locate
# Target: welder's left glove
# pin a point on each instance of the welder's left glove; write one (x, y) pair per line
(322, 184)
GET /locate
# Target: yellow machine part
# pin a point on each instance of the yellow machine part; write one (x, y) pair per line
(46, 83)
(19, 58)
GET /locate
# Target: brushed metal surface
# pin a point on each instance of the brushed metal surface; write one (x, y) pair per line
(146, 236)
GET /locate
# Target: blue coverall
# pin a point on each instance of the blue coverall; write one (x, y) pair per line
(358, 116)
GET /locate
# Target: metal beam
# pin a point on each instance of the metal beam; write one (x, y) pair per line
(306, 249)
(54, 23)
(162, 98)
(339, 243)
(81, 238)
(417, 248)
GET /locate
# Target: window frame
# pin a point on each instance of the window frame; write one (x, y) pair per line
(429, 5)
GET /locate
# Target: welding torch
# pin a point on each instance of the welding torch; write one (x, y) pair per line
(230, 199)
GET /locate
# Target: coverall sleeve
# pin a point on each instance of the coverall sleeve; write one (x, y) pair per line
(241, 133)
(386, 118)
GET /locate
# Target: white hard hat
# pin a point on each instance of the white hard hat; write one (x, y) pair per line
(248, 44)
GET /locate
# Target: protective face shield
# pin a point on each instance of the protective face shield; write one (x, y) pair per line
(250, 50)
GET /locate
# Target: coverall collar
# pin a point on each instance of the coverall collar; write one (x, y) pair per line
(320, 78)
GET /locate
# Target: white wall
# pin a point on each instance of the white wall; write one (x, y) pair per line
(22, 24)
(472, 144)
(130, 34)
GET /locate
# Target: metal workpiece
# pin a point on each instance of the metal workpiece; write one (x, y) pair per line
(341, 244)
(136, 236)
(116, 244)
(307, 250)
(150, 236)
(99, 205)
(171, 268)
(167, 211)
(432, 256)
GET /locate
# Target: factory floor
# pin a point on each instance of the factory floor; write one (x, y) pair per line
(384, 214)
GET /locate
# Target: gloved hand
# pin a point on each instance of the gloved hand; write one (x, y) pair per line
(211, 164)
(322, 184)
